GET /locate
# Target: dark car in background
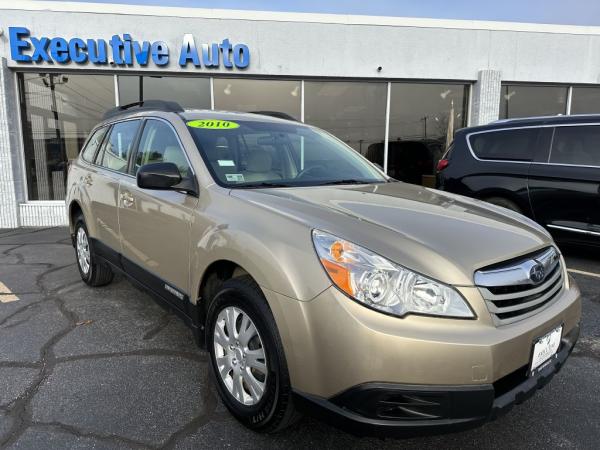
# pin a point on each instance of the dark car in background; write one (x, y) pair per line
(547, 168)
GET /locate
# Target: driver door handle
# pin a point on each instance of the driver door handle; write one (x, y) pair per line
(127, 199)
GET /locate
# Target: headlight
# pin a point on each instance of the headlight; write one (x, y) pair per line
(383, 285)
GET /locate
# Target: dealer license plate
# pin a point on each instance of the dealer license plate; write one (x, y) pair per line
(545, 348)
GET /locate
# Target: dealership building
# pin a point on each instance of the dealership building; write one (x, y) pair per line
(394, 89)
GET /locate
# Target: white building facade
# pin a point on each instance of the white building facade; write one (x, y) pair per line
(394, 89)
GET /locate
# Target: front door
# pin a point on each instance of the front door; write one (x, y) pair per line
(155, 224)
(565, 190)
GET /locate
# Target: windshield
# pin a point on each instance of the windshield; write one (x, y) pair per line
(268, 154)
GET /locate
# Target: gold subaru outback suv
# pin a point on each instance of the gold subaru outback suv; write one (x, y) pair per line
(316, 282)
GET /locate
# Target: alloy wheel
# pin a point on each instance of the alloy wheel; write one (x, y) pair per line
(240, 355)
(83, 251)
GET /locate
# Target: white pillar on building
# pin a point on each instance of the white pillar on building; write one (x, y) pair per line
(10, 173)
(485, 106)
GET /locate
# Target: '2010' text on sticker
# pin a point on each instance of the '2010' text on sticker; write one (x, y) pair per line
(212, 124)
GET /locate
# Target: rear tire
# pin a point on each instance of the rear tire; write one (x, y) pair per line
(93, 271)
(269, 407)
(505, 203)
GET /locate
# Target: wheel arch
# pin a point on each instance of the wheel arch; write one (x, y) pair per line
(519, 200)
(74, 209)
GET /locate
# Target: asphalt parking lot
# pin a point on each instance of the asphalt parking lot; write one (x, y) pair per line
(108, 368)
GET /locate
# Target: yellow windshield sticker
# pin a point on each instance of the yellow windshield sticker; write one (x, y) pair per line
(212, 124)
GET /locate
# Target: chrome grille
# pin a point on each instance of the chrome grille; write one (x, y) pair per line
(517, 289)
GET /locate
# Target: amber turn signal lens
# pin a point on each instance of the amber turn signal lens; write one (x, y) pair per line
(339, 275)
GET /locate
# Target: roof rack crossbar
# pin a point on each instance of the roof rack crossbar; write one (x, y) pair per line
(145, 105)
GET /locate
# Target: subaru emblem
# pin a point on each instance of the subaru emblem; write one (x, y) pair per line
(537, 273)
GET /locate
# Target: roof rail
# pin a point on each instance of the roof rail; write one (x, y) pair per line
(146, 105)
(277, 114)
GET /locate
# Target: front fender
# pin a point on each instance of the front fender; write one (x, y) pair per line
(276, 251)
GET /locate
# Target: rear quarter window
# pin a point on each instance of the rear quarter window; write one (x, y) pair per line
(507, 145)
(89, 151)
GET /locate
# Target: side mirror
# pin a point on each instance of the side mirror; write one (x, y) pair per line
(158, 176)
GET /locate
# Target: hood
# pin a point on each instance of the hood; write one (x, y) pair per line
(441, 235)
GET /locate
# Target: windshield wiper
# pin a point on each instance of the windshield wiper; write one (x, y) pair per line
(346, 181)
(262, 184)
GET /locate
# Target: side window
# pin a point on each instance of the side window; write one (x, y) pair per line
(116, 148)
(159, 143)
(509, 145)
(576, 145)
(88, 152)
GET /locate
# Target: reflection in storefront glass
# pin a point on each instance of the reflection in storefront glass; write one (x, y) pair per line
(234, 94)
(189, 92)
(353, 111)
(585, 100)
(527, 101)
(423, 118)
(58, 111)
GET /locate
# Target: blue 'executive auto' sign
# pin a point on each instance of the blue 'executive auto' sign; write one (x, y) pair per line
(123, 51)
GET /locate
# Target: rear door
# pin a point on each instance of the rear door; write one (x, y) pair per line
(565, 189)
(155, 224)
(102, 186)
(500, 166)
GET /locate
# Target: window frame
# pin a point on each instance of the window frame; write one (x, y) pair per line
(496, 130)
(106, 129)
(547, 157)
(506, 83)
(554, 127)
(134, 145)
(133, 156)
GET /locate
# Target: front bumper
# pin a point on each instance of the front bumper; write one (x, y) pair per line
(405, 410)
(333, 343)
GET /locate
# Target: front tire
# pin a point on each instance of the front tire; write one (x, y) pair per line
(93, 271)
(247, 357)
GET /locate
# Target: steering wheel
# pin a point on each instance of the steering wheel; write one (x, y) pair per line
(308, 170)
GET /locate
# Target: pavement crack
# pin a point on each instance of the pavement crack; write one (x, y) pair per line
(162, 322)
(19, 311)
(16, 323)
(19, 365)
(108, 438)
(198, 357)
(210, 406)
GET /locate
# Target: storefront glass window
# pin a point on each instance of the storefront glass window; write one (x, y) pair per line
(423, 118)
(58, 112)
(187, 91)
(585, 100)
(233, 94)
(352, 111)
(526, 101)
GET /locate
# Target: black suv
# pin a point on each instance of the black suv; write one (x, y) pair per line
(547, 168)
